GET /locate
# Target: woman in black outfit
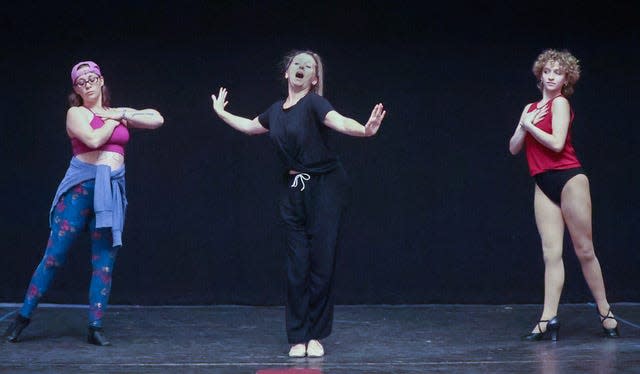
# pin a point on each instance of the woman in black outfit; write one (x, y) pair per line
(313, 201)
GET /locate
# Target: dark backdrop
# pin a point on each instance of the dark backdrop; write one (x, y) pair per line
(441, 212)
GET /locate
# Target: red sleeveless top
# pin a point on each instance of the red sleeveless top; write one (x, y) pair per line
(541, 158)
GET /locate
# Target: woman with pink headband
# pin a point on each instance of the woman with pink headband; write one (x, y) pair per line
(91, 195)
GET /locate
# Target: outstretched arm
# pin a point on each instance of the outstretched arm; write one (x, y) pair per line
(352, 127)
(142, 119)
(246, 125)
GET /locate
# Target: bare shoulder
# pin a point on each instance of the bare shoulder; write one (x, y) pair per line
(560, 105)
(78, 111)
(560, 101)
(77, 114)
(74, 111)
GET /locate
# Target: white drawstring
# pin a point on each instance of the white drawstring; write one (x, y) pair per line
(300, 177)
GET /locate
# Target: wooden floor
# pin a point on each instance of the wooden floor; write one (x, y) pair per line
(365, 339)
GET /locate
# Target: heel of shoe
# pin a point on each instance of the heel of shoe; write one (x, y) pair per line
(553, 328)
(15, 328)
(555, 334)
(609, 332)
(552, 331)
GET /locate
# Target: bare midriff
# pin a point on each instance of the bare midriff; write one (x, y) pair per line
(114, 159)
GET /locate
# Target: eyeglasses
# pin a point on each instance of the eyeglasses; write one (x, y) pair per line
(82, 82)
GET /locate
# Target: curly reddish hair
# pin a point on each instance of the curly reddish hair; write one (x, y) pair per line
(569, 64)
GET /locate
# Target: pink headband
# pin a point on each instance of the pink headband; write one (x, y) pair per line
(84, 67)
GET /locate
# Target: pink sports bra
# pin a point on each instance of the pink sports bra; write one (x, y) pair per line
(116, 143)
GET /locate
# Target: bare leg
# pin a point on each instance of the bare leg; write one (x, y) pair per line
(551, 229)
(576, 209)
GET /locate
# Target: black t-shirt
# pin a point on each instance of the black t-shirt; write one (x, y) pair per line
(300, 135)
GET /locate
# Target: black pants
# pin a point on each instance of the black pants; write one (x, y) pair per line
(312, 218)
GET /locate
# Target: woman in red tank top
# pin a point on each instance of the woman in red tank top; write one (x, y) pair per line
(562, 194)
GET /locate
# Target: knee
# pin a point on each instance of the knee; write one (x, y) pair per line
(296, 280)
(585, 253)
(583, 246)
(552, 256)
(321, 280)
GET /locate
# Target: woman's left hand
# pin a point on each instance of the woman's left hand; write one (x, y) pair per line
(375, 120)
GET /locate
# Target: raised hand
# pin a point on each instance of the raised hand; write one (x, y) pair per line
(220, 102)
(375, 120)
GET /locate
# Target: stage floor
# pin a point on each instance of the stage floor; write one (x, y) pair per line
(365, 339)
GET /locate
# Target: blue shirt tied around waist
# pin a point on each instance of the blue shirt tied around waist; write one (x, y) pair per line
(109, 200)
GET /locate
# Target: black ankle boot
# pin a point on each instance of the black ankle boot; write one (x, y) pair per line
(96, 337)
(552, 329)
(16, 327)
(612, 332)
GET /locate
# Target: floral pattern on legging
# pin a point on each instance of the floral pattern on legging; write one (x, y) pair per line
(73, 214)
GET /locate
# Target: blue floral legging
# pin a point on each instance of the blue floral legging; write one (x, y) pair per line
(72, 215)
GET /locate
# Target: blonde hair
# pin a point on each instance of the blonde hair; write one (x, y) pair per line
(318, 87)
(569, 64)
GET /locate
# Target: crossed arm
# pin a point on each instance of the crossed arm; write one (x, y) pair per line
(78, 123)
(149, 119)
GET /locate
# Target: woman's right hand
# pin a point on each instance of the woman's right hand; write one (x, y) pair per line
(246, 125)
(220, 102)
